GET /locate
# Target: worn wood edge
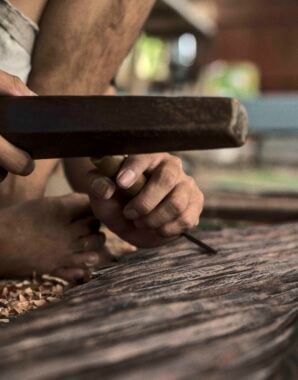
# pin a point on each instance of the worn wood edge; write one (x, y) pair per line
(240, 122)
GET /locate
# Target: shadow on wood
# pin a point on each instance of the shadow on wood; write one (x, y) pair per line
(171, 314)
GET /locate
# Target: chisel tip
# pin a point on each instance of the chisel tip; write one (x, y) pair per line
(207, 249)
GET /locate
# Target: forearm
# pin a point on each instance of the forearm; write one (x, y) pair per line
(79, 49)
(77, 169)
(82, 44)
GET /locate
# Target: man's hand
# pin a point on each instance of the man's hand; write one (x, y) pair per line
(169, 204)
(12, 159)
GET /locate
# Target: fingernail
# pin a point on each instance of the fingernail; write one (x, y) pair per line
(102, 188)
(131, 214)
(127, 178)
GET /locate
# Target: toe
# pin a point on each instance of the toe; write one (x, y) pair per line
(73, 275)
(85, 260)
(92, 260)
(91, 243)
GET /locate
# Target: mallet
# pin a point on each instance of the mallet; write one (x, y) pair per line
(70, 126)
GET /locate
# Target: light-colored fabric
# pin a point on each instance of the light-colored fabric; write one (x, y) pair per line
(17, 37)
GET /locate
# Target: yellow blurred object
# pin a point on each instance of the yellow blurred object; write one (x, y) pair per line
(152, 62)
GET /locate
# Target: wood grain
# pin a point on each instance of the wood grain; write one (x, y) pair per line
(171, 314)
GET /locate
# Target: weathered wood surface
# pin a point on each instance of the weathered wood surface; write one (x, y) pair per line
(172, 315)
(252, 207)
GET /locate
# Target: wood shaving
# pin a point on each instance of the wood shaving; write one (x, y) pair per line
(19, 297)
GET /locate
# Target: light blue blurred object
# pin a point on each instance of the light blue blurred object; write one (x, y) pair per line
(273, 114)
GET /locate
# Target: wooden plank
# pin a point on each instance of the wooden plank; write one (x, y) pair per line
(251, 207)
(171, 314)
(78, 126)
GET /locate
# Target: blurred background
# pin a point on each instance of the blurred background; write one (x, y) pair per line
(239, 48)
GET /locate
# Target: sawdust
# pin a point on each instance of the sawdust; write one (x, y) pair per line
(18, 297)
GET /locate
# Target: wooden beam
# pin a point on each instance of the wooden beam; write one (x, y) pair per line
(190, 13)
(171, 313)
(184, 13)
(251, 207)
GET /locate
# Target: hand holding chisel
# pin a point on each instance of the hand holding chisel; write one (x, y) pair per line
(110, 167)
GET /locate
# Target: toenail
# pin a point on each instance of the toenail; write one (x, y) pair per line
(92, 260)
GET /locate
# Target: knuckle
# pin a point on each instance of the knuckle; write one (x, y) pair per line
(177, 161)
(152, 223)
(165, 232)
(191, 181)
(175, 205)
(165, 156)
(168, 177)
(143, 206)
(187, 222)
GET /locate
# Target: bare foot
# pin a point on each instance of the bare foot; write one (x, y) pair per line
(55, 235)
(15, 189)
